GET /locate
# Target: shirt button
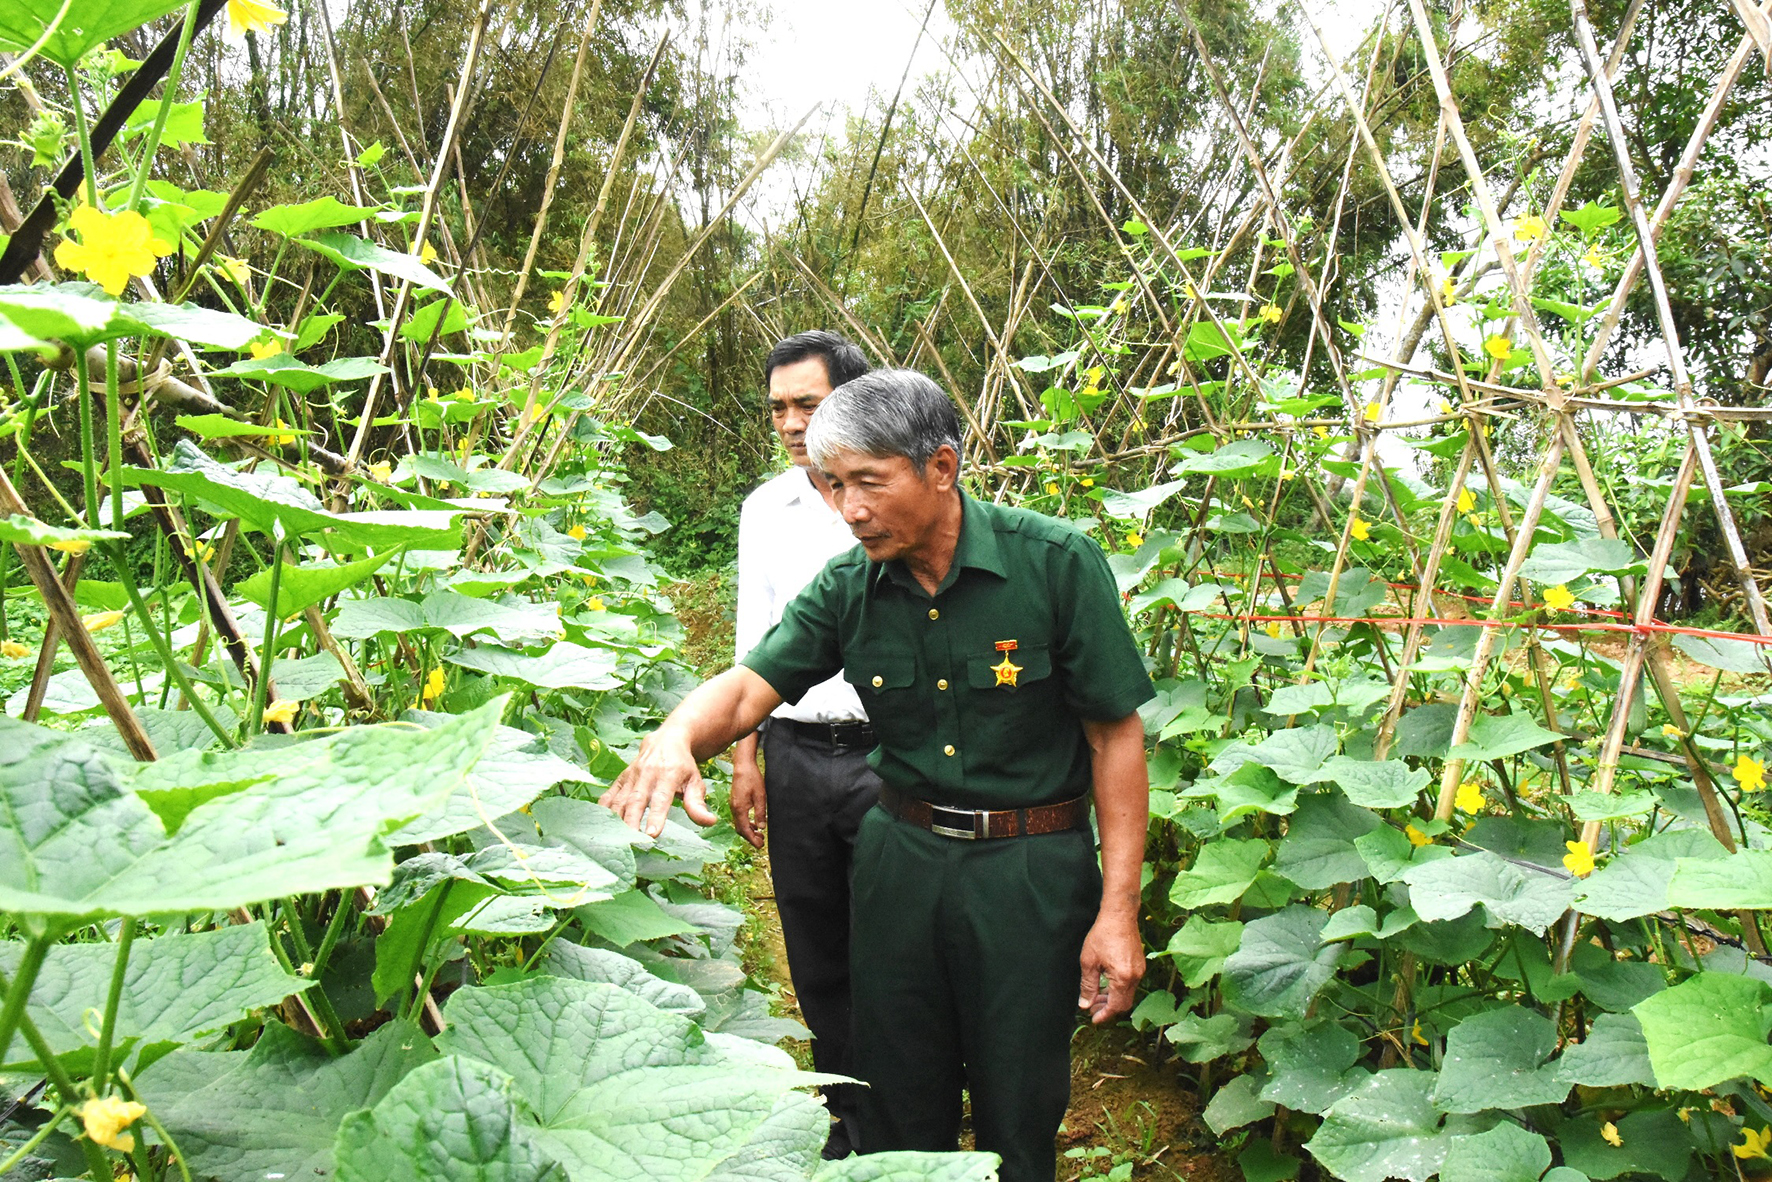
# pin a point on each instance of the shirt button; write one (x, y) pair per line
(878, 681)
(942, 684)
(948, 750)
(934, 615)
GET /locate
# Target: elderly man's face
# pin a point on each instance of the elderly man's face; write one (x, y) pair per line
(794, 393)
(891, 508)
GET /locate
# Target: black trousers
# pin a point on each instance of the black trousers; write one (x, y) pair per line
(818, 794)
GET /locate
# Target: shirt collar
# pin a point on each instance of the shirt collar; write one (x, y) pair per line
(977, 548)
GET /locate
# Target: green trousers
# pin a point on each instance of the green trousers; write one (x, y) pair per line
(964, 970)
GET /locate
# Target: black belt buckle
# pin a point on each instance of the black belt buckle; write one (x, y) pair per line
(850, 734)
(969, 833)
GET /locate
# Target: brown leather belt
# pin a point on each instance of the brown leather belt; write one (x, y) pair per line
(979, 824)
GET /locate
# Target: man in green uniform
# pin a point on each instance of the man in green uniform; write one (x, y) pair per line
(989, 647)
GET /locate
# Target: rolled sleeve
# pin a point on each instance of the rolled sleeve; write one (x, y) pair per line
(1104, 674)
(803, 649)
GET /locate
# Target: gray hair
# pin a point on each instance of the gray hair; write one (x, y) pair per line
(888, 412)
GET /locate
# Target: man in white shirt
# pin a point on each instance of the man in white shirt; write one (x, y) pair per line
(815, 785)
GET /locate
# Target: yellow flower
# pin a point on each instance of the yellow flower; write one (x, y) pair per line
(1470, 797)
(1361, 529)
(577, 531)
(1271, 313)
(282, 710)
(427, 253)
(1051, 489)
(1609, 1133)
(1750, 773)
(557, 302)
(72, 546)
(99, 621)
(1498, 348)
(1448, 291)
(1320, 431)
(282, 440)
(1416, 1035)
(1088, 483)
(381, 470)
(1417, 837)
(594, 604)
(105, 1119)
(252, 16)
(1467, 500)
(1187, 289)
(431, 394)
(1579, 861)
(1673, 732)
(1558, 598)
(1135, 539)
(202, 551)
(1476, 520)
(465, 394)
(1531, 228)
(236, 271)
(12, 650)
(1287, 474)
(1372, 412)
(112, 247)
(1273, 629)
(262, 350)
(1753, 1144)
(434, 683)
(1593, 259)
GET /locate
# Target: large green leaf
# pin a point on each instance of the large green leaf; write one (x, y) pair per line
(1282, 963)
(28, 531)
(73, 843)
(1199, 949)
(1200, 1040)
(566, 959)
(1499, 1059)
(301, 586)
(276, 1109)
(1310, 1064)
(449, 1121)
(1222, 871)
(1506, 1153)
(354, 253)
(1564, 562)
(1294, 755)
(564, 666)
(1386, 1127)
(175, 988)
(88, 23)
(323, 213)
(1450, 887)
(284, 370)
(1318, 850)
(1739, 880)
(1707, 1029)
(1384, 784)
(1497, 736)
(463, 615)
(1614, 1054)
(630, 917)
(516, 769)
(1650, 1142)
(260, 499)
(592, 830)
(618, 1088)
(1635, 883)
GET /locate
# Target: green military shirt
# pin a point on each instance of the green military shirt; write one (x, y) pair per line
(955, 725)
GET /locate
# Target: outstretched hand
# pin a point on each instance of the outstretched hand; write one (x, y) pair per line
(664, 770)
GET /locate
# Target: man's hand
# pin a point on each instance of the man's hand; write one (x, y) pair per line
(665, 770)
(1112, 949)
(750, 806)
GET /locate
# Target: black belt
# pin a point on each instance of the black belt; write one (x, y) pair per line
(977, 824)
(831, 734)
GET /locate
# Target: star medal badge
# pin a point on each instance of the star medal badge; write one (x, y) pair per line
(1007, 670)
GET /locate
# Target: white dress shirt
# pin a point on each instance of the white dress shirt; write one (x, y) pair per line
(786, 534)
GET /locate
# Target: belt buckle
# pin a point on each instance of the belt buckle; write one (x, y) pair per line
(970, 833)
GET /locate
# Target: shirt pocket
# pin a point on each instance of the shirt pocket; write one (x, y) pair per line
(1034, 666)
(876, 675)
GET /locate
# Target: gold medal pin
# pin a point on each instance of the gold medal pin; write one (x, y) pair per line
(1007, 670)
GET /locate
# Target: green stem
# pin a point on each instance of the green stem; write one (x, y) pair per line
(313, 998)
(168, 96)
(424, 991)
(85, 137)
(101, 1059)
(161, 649)
(13, 1011)
(37, 1139)
(334, 930)
(255, 721)
(172, 1148)
(293, 921)
(113, 435)
(88, 448)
